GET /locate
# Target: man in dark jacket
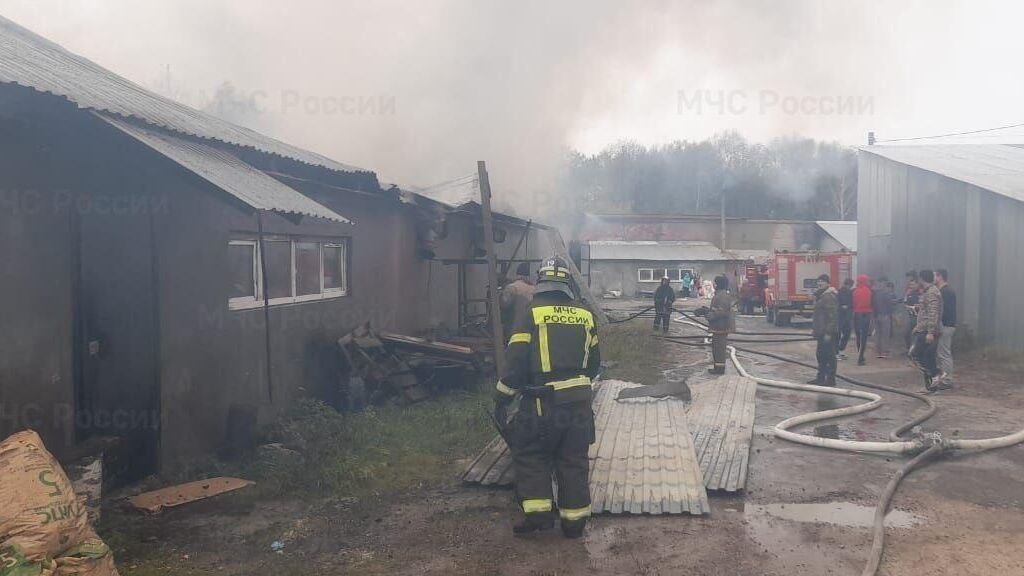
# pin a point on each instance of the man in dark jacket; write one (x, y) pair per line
(883, 303)
(845, 299)
(721, 322)
(664, 296)
(551, 361)
(826, 330)
(945, 349)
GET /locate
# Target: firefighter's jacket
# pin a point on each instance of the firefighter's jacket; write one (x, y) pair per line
(553, 350)
(929, 318)
(721, 319)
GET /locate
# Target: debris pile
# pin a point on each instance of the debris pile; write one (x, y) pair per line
(384, 365)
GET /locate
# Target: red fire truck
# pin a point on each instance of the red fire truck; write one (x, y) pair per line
(793, 279)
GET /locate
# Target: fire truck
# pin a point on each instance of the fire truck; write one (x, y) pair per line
(793, 279)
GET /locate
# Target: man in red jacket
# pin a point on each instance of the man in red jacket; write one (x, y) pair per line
(862, 313)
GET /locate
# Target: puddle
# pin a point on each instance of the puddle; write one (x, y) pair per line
(837, 432)
(845, 514)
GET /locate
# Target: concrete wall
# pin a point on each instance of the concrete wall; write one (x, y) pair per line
(914, 219)
(606, 275)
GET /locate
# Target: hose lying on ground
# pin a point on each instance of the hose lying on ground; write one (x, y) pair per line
(928, 448)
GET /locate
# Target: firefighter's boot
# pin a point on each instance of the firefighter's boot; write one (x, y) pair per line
(573, 528)
(535, 522)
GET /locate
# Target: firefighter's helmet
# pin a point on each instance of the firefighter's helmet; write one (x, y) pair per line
(554, 276)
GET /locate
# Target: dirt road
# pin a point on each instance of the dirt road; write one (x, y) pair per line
(806, 511)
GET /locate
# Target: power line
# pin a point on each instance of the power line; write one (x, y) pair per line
(953, 133)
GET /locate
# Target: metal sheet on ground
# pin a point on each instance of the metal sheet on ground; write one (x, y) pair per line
(642, 462)
(720, 419)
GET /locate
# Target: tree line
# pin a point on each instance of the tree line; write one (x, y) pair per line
(789, 178)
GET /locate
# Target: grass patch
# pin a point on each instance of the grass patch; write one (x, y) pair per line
(381, 449)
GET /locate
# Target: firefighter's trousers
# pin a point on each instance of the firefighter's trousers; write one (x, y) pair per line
(550, 438)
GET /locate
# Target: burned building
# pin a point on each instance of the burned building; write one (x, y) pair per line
(167, 273)
(959, 207)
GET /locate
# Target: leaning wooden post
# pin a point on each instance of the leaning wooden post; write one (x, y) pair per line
(497, 330)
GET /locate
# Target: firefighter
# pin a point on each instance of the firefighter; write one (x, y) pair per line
(552, 359)
(721, 321)
(664, 297)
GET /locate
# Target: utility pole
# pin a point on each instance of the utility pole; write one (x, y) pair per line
(497, 330)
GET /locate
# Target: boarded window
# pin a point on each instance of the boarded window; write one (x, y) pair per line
(334, 268)
(307, 268)
(279, 268)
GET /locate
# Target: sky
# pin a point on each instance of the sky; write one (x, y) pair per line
(419, 90)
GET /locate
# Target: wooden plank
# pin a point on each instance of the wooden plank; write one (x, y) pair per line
(185, 493)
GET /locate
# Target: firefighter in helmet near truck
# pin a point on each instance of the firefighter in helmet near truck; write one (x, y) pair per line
(551, 361)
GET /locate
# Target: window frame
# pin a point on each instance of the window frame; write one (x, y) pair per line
(243, 302)
(248, 303)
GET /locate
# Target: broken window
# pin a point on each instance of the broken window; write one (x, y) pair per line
(296, 271)
(307, 268)
(243, 268)
(279, 268)
(334, 269)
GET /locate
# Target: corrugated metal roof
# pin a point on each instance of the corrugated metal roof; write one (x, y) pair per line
(758, 256)
(844, 232)
(688, 251)
(454, 194)
(721, 417)
(720, 421)
(642, 462)
(995, 167)
(227, 172)
(30, 60)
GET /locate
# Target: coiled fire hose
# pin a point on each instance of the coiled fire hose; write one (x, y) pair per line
(926, 447)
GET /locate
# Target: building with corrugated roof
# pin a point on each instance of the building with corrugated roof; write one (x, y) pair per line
(959, 207)
(171, 278)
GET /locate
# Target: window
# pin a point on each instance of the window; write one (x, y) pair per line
(297, 270)
(645, 275)
(243, 266)
(656, 274)
(674, 274)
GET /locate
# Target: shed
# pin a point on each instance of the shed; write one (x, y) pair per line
(959, 207)
(635, 267)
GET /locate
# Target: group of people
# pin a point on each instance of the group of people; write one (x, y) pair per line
(871, 308)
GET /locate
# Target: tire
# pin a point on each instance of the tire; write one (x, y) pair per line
(782, 319)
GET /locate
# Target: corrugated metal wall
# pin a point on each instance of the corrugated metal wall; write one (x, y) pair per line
(915, 219)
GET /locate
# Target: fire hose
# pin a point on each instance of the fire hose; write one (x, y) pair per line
(925, 447)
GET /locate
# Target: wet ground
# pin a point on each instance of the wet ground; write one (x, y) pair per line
(806, 510)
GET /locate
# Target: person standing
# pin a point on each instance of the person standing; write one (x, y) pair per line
(928, 330)
(863, 310)
(687, 284)
(551, 361)
(911, 299)
(515, 297)
(845, 299)
(883, 304)
(721, 322)
(664, 297)
(945, 350)
(826, 330)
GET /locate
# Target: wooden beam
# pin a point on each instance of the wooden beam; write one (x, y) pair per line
(497, 331)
